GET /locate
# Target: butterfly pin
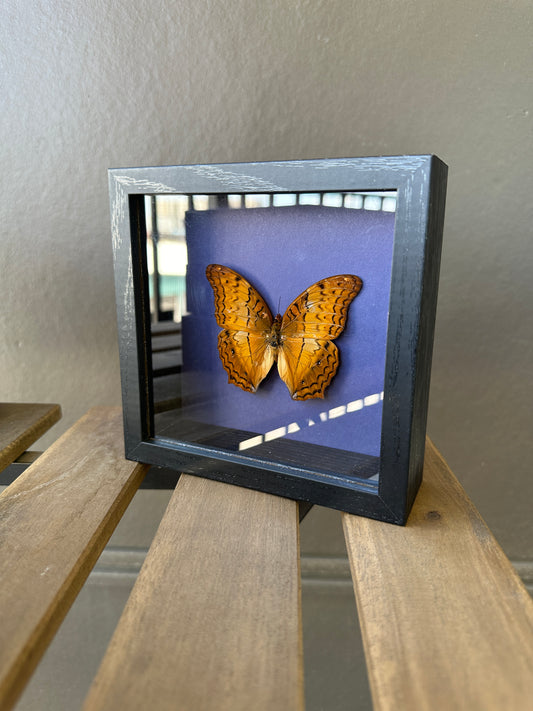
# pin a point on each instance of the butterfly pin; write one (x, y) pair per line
(301, 342)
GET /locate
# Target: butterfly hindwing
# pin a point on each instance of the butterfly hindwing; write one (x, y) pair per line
(246, 357)
(308, 359)
(246, 321)
(307, 366)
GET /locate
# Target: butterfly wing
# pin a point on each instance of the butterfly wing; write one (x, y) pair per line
(245, 318)
(307, 366)
(308, 359)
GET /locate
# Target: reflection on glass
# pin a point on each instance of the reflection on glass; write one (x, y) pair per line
(201, 202)
(354, 201)
(235, 201)
(309, 198)
(332, 199)
(166, 255)
(284, 199)
(256, 200)
(282, 243)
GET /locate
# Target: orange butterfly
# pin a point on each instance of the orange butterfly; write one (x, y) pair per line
(301, 342)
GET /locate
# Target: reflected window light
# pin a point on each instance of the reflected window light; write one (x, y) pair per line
(373, 202)
(150, 255)
(200, 202)
(353, 201)
(354, 405)
(309, 198)
(171, 211)
(249, 443)
(235, 201)
(337, 412)
(275, 434)
(389, 204)
(332, 414)
(371, 399)
(284, 199)
(332, 199)
(172, 257)
(148, 213)
(256, 200)
(166, 254)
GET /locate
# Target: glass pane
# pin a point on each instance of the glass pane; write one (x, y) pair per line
(317, 368)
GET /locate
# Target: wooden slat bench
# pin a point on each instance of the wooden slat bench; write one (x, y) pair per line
(22, 424)
(213, 621)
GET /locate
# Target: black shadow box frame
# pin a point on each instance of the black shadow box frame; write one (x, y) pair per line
(381, 487)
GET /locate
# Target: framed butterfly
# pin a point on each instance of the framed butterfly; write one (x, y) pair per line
(301, 342)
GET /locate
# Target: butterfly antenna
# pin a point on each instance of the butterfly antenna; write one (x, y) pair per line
(279, 305)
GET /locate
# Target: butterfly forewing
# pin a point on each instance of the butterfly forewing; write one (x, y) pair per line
(321, 310)
(237, 304)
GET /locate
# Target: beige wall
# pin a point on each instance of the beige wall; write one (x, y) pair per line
(92, 85)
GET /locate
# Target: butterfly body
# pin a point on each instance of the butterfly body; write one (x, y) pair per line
(301, 342)
(274, 335)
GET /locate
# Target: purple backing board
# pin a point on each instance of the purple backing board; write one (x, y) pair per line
(282, 251)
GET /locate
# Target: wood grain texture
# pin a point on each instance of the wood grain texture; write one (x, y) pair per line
(54, 521)
(446, 622)
(213, 621)
(21, 424)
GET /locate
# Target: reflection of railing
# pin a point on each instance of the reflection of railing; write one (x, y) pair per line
(377, 200)
(167, 255)
(156, 276)
(166, 365)
(166, 227)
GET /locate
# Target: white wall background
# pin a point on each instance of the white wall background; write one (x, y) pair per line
(88, 85)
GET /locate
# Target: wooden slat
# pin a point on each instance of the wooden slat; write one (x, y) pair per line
(446, 622)
(213, 622)
(21, 424)
(54, 521)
